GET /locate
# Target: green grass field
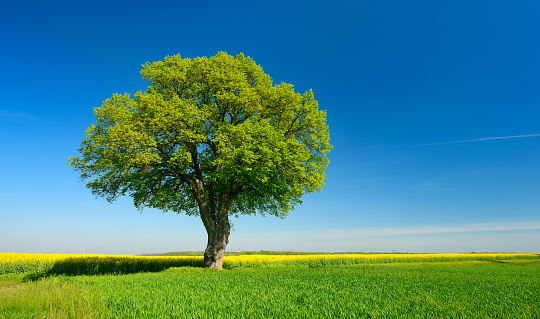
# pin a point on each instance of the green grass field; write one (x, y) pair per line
(454, 289)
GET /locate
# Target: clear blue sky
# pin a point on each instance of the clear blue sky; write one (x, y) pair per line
(401, 81)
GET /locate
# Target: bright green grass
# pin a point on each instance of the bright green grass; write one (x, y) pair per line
(472, 289)
(55, 297)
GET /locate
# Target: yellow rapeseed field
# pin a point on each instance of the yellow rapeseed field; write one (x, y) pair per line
(101, 264)
(91, 264)
(331, 259)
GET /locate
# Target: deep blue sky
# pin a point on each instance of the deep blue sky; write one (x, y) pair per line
(393, 76)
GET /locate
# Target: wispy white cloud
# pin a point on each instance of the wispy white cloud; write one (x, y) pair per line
(433, 187)
(16, 115)
(486, 237)
(424, 230)
(480, 139)
(351, 233)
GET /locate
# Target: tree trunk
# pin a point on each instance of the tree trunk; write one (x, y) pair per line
(215, 249)
(217, 227)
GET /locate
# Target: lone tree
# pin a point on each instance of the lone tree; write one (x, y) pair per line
(211, 137)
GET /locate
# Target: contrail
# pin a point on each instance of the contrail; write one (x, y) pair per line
(480, 139)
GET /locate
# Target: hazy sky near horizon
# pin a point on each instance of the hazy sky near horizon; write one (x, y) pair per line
(433, 111)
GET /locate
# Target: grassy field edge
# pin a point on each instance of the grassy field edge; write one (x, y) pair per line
(449, 289)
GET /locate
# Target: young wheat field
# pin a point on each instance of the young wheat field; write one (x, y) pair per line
(271, 286)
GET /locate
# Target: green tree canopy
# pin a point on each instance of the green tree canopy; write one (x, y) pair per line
(211, 137)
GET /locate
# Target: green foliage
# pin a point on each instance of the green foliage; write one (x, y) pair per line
(214, 125)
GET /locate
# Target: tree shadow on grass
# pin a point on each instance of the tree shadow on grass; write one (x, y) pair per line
(110, 265)
(34, 277)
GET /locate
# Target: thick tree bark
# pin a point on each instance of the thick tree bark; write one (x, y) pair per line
(215, 249)
(216, 224)
(218, 234)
